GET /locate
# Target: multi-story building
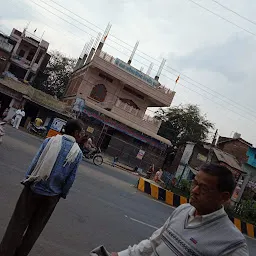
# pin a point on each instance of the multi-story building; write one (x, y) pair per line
(117, 95)
(6, 47)
(28, 54)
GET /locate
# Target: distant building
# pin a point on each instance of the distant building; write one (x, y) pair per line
(247, 187)
(191, 156)
(6, 47)
(15, 94)
(25, 55)
(235, 146)
(251, 153)
(113, 97)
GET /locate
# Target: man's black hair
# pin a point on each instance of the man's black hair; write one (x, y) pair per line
(72, 126)
(226, 181)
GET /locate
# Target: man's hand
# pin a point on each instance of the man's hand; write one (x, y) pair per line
(114, 254)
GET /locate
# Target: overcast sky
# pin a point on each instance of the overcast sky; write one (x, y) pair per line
(218, 56)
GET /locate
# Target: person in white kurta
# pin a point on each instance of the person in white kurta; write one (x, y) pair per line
(20, 113)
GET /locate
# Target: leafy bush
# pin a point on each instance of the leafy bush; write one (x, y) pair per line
(246, 211)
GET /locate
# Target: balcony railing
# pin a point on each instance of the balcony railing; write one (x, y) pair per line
(107, 57)
(132, 114)
(22, 61)
(151, 119)
(127, 107)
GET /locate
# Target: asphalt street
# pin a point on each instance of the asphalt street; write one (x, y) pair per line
(103, 207)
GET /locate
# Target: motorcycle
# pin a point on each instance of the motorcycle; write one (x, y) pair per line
(95, 156)
(40, 130)
(2, 133)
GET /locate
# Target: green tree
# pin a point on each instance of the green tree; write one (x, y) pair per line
(56, 75)
(183, 123)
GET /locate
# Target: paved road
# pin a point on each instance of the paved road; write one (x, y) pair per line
(103, 207)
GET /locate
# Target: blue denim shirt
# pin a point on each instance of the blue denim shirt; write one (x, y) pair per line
(62, 177)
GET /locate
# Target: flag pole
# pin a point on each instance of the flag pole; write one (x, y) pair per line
(176, 81)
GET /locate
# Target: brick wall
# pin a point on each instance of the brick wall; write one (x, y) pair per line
(235, 148)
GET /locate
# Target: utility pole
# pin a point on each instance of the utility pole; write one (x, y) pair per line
(212, 145)
(214, 138)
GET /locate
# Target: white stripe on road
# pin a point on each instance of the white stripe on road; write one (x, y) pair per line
(141, 222)
(154, 227)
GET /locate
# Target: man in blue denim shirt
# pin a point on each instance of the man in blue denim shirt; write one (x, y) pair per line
(49, 177)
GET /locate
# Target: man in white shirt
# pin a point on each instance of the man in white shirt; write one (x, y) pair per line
(201, 228)
(20, 113)
(90, 146)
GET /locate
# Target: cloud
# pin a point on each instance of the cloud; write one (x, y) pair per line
(232, 58)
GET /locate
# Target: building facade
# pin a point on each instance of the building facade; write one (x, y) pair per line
(15, 94)
(27, 54)
(191, 156)
(115, 97)
(6, 47)
(235, 146)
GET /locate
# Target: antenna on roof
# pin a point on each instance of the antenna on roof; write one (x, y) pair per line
(133, 52)
(104, 37)
(150, 68)
(160, 70)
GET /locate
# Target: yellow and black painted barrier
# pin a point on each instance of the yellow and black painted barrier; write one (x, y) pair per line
(172, 199)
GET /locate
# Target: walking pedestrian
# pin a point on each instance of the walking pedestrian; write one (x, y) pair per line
(201, 227)
(49, 177)
(20, 113)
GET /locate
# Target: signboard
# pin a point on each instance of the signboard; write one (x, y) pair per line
(90, 129)
(236, 192)
(140, 154)
(201, 157)
(56, 127)
(137, 73)
(57, 124)
(79, 105)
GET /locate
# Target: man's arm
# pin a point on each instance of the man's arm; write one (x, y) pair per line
(148, 246)
(145, 247)
(71, 178)
(35, 160)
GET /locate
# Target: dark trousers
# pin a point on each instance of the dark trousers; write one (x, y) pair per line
(29, 218)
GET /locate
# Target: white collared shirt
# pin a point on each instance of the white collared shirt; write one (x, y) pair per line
(195, 220)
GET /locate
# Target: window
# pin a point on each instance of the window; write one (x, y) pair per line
(31, 55)
(21, 53)
(17, 32)
(39, 57)
(99, 92)
(133, 93)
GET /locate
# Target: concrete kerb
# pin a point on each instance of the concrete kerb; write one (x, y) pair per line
(168, 197)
